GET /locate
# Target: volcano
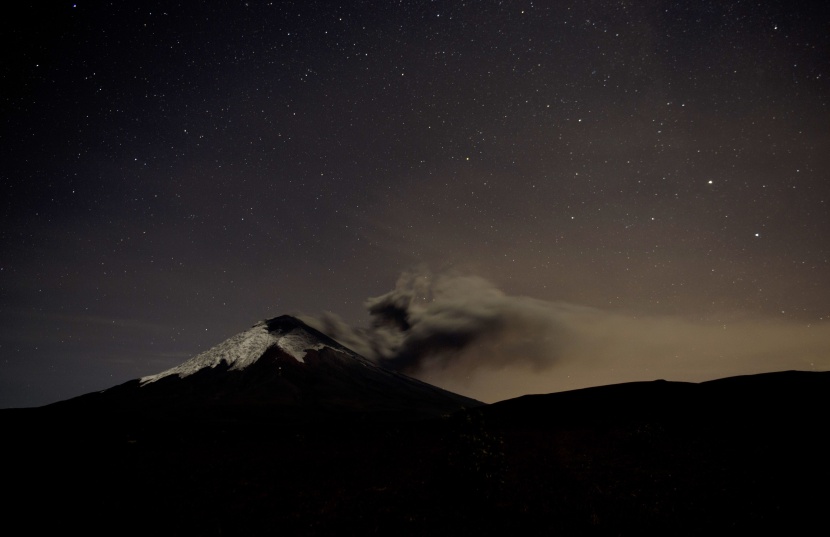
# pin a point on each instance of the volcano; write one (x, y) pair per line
(281, 367)
(282, 430)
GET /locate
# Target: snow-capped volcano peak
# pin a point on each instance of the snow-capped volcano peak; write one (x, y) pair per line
(282, 367)
(289, 334)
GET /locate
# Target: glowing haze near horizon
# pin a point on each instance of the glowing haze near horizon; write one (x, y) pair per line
(553, 194)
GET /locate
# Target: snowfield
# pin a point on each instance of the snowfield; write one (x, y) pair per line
(244, 349)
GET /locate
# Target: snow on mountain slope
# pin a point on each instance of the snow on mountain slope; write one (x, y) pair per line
(281, 366)
(243, 349)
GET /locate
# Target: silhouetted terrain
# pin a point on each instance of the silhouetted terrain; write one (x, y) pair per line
(664, 458)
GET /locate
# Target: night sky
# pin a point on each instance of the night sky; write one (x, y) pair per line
(611, 190)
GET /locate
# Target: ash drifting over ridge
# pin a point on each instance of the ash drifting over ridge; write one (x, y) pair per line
(433, 320)
(461, 332)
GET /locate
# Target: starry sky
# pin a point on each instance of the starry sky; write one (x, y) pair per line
(648, 179)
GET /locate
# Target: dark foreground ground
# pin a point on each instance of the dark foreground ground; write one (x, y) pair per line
(728, 457)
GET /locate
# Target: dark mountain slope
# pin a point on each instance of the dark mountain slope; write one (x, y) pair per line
(208, 454)
(788, 394)
(280, 367)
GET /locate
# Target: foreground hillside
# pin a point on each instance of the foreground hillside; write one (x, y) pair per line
(735, 455)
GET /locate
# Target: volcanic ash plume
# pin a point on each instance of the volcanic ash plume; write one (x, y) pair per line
(463, 334)
(435, 321)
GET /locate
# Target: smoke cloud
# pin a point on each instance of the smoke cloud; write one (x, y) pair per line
(462, 333)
